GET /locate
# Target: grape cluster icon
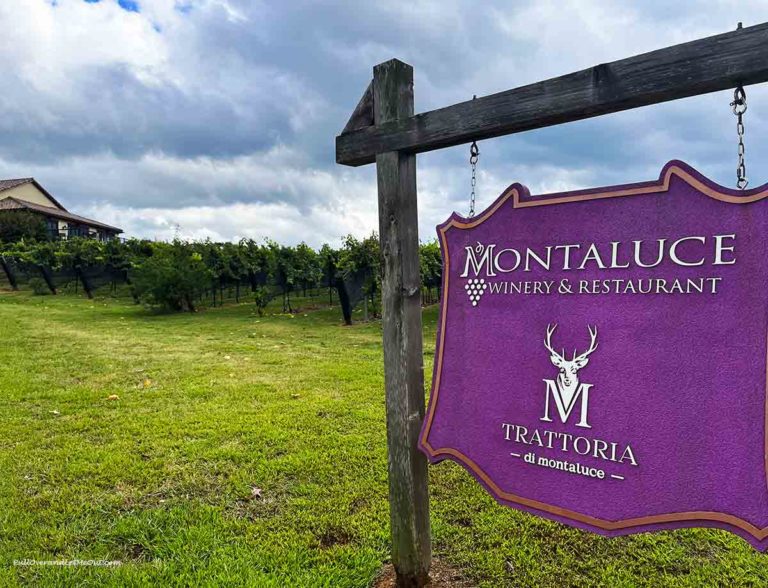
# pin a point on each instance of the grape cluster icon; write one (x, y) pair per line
(475, 288)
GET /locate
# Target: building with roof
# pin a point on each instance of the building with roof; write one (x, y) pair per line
(27, 194)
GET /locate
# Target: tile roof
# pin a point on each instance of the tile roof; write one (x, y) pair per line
(17, 203)
(8, 184)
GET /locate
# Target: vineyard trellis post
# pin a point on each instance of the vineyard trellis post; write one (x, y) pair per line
(9, 273)
(383, 129)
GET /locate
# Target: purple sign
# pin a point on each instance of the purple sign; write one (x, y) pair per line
(602, 355)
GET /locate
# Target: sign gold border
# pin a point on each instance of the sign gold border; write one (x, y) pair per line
(520, 199)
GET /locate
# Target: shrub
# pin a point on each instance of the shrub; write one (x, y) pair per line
(39, 287)
(173, 277)
(262, 297)
(16, 225)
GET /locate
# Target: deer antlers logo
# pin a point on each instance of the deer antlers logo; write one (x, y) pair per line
(567, 389)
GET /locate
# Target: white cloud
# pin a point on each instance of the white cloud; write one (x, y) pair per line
(274, 194)
(221, 117)
(278, 221)
(50, 44)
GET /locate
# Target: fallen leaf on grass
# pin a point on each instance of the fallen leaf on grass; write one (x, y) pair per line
(294, 396)
(113, 397)
(54, 412)
(255, 492)
(227, 357)
(147, 383)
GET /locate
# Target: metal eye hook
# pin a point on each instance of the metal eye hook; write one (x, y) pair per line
(739, 106)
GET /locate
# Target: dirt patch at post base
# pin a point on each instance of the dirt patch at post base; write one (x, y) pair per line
(441, 575)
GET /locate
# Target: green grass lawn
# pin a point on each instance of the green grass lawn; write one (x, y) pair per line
(215, 404)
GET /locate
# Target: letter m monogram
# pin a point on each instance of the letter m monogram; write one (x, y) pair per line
(565, 403)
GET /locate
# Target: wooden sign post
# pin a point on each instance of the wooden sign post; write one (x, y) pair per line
(383, 129)
(401, 304)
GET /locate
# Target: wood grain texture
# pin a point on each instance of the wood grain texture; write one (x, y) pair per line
(698, 67)
(401, 323)
(362, 116)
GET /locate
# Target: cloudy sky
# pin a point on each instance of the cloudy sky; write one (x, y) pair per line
(219, 116)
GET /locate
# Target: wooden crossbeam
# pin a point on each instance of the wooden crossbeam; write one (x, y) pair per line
(698, 67)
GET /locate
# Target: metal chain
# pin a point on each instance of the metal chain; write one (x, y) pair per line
(739, 106)
(474, 155)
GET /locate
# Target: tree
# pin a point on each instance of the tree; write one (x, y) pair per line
(16, 225)
(431, 268)
(42, 258)
(213, 258)
(235, 265)
(173, 277)
(329, 260)
(283, 270)
(308, 269)
(359, 263)
(258, 262)
(80, 254)
(118, 259)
